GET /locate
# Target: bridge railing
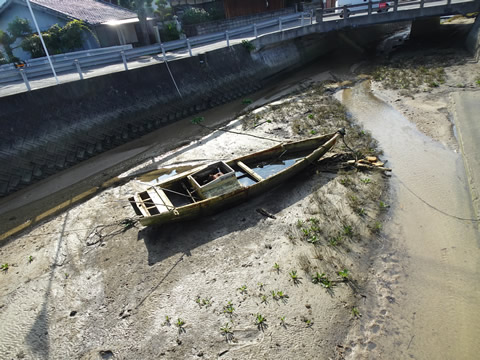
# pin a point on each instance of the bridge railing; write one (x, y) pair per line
(371, 7)
(78, 61)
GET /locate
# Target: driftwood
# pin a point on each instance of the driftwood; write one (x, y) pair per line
(265, 213)
(368, 166)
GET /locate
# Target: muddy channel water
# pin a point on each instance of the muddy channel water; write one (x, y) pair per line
(422, 301)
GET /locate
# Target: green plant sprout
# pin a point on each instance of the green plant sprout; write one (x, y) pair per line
(264, 299)
(334, 241)
(293, 274)
(167, 321)
(356, 312)
(243, 289)
(282, 321)
(313, 132)
(197, 120)
(229, 309)
(276, 267)
(30, 258)
(310, 116)
(377, 227)
(348, 230)
(227, 332)
(261, 321)
(261, 286)
(4, 267)
(383, 205)
(343, 274)
(180, 323)
(366, 181)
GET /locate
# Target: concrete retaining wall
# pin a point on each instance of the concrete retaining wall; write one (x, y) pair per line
(50, 129)
(473, 39)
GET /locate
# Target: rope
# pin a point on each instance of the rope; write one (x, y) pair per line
(433, 207)
(239, 133)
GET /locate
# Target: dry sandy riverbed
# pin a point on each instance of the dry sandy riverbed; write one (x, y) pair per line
(80, 285)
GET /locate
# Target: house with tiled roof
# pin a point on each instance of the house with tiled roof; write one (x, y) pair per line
(112, 24)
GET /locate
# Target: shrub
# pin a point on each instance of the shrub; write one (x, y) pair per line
(169, 33)
(195, 16)
(58, 39)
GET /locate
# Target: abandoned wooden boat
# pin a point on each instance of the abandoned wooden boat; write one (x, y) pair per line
(208, 189)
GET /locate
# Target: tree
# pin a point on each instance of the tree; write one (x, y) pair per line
(163, 11)
(15, 29)
(142, 8)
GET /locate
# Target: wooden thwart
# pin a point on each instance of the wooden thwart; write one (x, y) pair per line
(249, 171)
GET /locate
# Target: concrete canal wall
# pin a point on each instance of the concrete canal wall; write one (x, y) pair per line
(50, 129)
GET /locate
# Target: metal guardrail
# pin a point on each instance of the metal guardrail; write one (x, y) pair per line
(62, 62)
(76, 61)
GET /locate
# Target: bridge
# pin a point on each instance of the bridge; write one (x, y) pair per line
(80, 65)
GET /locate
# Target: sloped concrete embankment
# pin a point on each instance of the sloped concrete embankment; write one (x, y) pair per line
(50, 129)
(473, 39)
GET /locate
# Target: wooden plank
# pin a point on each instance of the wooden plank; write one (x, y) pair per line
(167, 204)
(249, 171)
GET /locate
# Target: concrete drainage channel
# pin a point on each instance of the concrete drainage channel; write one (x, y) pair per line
(48, 130)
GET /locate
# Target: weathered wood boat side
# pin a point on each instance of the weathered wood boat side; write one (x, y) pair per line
(214, 187)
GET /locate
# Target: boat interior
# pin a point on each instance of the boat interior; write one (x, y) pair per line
(214, 180)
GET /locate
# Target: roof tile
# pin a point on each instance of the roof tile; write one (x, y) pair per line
(90, 11)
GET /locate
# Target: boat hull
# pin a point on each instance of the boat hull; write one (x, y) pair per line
(320, 146)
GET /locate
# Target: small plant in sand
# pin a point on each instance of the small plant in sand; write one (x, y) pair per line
(276, 267)
(366, 180)
(356, 312)
(344, 274)
(313, 132)
(261, 286)
(243, 289)
(264, 299)
(313, 239)
(323, 280)
(383, 206)
(227, 331)
(203, 302)
(167, 321)
(229, 309)
(197, 120)
(294, 276)
(335, 240)
(261, 321)
(67, 275)
(310, 116)
(478, 82)
(377, 227)
(283, 321)
(308, 322)
(348, 230)
(30, 259)
(4, 267)
(180, 324)
(361, 211)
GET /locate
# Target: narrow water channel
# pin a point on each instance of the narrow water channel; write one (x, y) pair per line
(422, 302)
